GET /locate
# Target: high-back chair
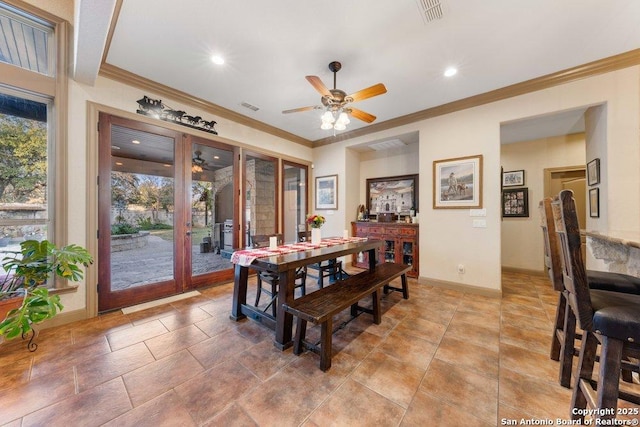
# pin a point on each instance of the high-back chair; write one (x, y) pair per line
(564, 335)
(331, 269)
(609, 319)
(272, 279)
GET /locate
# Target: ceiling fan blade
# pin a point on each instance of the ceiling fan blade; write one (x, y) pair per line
(318, 85)
(297, 110)
(369, 92)
(362, 115)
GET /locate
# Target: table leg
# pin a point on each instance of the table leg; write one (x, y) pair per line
(239, 292)
(284, 320)
(372, 259)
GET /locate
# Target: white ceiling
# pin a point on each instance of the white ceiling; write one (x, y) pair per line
(270, 47)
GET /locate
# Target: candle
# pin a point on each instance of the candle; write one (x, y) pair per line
(273, 242)
(345, 234)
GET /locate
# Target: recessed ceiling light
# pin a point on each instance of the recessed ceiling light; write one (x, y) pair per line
(451, 71)
(166, 165)
(135, 141)
(115, 147)
(217, 59)
(118, 163)
(216, 157)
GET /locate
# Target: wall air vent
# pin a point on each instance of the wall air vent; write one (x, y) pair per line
(387, 145)
(430, 9)
(249, 106)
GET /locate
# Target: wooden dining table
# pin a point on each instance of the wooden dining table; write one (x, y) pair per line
(285, 265)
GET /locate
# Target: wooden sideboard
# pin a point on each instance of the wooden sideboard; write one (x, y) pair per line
(401, 243)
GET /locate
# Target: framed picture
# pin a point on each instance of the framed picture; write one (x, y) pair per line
(513, 178)
(594, 203)
(457, 183)
(393, 195)
(593, 172)
(327, 192)
(515, 202)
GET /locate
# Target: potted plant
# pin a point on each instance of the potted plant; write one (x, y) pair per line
(26, 271)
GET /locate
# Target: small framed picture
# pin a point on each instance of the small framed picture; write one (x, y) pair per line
(593, 172)
(457, 183)
(513, 178)
(327, 192)
(594, 203)
(515, 202)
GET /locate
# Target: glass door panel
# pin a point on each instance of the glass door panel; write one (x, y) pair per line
(138, 214)
(212, 207)
(260, 188)
(295, 198)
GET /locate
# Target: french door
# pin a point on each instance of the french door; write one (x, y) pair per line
(157, 221)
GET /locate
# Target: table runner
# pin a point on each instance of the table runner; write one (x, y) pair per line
(245, 257)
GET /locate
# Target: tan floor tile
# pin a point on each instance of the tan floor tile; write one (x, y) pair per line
(184, 318)
(282, 400)
(474, 334)
(38, 393)
(479, 359)
(264, 359)
(486, 319)
(150, 314)
(426, 410)
(527, 362)
(211, 391)
(541, 399)
(470, 392)
(92, 407)
(354, 404)
(527, 322)
(356, 343)
(534, 340)
(122, 338)
(524, 310)
(166, 410)
(174, 341)
(156, 378)
(69, 355)
(415, 351)
(233, 416)
(105, 367)
(16, 367)
(423, 329)
(390, 377)
(222, 347)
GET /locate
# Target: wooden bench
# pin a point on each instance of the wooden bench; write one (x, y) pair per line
(320, 306)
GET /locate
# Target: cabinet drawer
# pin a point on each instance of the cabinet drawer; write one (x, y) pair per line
(408, 231)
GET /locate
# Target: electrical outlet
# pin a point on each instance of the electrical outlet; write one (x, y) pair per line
(461, 268)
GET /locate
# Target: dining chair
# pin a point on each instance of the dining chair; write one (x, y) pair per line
(330, 269)
(564, 332)
(272, 279)
(609, 320)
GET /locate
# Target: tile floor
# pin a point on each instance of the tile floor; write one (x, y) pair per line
(441, 358)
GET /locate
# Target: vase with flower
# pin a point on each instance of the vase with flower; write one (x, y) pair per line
(315, 221)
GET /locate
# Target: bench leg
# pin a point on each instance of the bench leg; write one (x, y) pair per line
(377, 315)
(301, 332)
(325, 344)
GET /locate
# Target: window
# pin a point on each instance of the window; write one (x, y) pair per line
(25, 41)
(32, 131)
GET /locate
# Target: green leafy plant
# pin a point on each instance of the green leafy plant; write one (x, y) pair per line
(26, 271)
(123, 228)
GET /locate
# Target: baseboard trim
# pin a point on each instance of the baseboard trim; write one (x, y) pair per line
(63, 318)
(523, 271)
(476, 290)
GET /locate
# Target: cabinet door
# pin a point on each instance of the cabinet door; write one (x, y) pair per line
(408, 254)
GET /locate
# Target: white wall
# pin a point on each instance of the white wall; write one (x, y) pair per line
(446, 235)
(522, 245)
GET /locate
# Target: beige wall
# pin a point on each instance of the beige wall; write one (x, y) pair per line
(447, 237)
(521, 240)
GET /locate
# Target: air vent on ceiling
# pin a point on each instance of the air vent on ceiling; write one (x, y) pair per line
(386, 145)
(430, 9)
(249, 106)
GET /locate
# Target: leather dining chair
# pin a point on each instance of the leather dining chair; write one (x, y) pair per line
(609, 320)
(564, 333)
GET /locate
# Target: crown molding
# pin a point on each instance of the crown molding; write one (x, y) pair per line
(118, 74)
(601, 66)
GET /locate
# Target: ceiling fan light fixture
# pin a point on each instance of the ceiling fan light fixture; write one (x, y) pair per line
(326, 125)
(343, 118)
(328, 117)
(339, 126)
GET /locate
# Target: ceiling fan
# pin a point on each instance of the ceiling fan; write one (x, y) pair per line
(336, 102)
